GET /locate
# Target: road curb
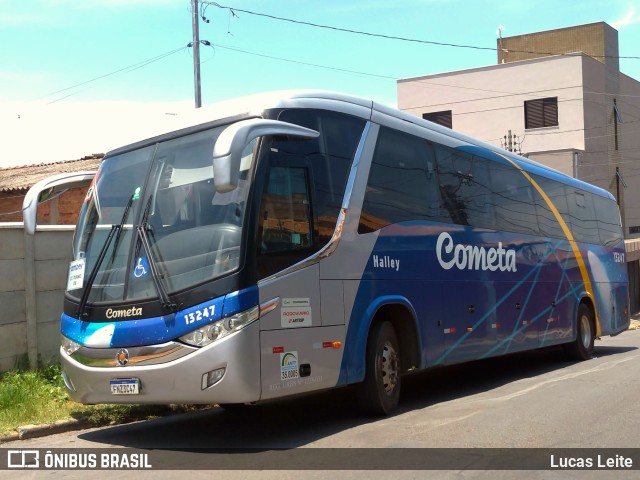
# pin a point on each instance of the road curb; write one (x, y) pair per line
(34, 431)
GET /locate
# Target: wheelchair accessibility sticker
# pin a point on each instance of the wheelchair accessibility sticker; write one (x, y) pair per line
(141, 269)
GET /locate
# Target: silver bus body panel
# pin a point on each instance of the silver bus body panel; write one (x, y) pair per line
(178, 381)
(314, 349)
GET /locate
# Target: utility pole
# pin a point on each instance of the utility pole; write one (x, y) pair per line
(195, 26)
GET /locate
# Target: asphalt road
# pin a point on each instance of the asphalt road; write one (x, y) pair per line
(530, 400)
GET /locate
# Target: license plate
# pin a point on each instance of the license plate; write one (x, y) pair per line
(125, 386)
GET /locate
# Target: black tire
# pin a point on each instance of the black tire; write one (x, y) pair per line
(582, 347)
(380, 392)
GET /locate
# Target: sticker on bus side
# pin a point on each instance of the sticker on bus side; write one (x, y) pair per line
(295, 312)
(76, 274)
(288, 366)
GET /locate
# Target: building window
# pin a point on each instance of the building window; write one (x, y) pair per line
(542, 112)
(441, 118)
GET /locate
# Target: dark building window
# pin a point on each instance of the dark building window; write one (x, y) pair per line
(542, 112)
(441, 118)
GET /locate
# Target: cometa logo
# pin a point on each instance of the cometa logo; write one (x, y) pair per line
(129, 312)
(469, 257)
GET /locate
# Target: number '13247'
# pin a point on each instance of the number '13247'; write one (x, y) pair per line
(198, 315)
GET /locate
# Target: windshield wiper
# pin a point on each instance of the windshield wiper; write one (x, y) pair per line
(103, 252)
(141, 229)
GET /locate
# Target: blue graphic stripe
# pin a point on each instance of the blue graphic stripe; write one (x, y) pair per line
(542, 314)
(563, 278)
(535, 270)
(156, 330)
(524, 308)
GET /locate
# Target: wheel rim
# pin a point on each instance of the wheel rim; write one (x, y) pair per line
(389, 368)
(585, 331)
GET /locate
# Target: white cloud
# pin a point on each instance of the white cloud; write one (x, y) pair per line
(630, 18)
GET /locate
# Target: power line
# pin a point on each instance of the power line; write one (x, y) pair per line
(271, 57)
(369, 74)
(428, 83)
(388, 77)
(127, 69)
(394, 37)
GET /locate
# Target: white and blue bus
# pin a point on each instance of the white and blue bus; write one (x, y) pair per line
(313, 240)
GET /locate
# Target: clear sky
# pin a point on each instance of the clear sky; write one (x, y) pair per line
(76, 76)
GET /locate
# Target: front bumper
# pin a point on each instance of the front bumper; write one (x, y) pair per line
(176, 380)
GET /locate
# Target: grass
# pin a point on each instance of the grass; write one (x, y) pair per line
(34, 397)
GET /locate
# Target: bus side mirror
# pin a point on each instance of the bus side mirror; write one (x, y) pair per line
(227, 151)
(46, 189)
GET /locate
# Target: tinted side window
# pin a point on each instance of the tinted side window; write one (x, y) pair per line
(465, 188)
(285, 224)
(608, 218)
(583, 216)
(402, 182)
(514, 201)
(481, 199)
(547, 221)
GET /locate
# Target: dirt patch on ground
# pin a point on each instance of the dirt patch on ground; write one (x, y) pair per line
(635, 325)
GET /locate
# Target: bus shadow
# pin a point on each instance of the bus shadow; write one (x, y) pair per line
(452, 382)
(300, 421)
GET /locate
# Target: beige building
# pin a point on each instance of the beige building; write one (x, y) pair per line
(557, 97)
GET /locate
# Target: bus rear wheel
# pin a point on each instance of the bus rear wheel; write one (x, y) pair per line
(380, 392)
(582, 347)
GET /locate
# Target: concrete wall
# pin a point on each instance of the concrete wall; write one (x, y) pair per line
(488, 102)
(51, 254)
(628, 103)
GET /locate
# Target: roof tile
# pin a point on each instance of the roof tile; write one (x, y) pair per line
(24, 177)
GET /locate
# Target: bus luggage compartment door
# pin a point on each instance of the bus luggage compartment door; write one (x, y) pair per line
(301, 360)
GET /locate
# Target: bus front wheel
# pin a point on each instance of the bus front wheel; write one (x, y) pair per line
(582, 347)
(380, 392)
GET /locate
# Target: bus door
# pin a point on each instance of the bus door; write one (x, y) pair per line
(297, 353)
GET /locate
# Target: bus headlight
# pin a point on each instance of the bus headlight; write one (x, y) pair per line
(69, 346)
(210, 333)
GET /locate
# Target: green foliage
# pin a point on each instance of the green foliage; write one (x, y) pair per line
(39, 397)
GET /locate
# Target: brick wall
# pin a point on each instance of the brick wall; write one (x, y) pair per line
(67, 206)
(597, 40)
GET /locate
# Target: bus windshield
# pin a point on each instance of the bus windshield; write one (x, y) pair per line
(153, 221)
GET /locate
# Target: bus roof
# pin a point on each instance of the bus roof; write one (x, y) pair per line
(255, 105)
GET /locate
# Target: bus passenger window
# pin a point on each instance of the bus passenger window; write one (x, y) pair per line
(583, 217)
(515, 206)
(402, 182)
